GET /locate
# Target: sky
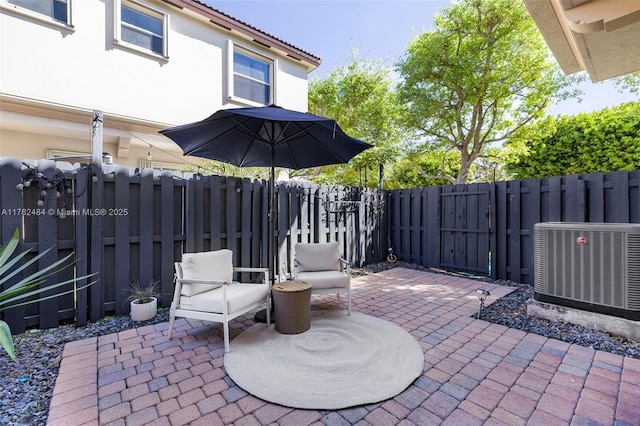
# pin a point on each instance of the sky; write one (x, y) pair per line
(376, 30)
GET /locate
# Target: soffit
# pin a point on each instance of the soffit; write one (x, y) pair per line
(600, 37)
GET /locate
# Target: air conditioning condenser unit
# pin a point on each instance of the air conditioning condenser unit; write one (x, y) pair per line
(589, 266)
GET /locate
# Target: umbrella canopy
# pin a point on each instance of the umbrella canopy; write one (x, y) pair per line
(267, 136)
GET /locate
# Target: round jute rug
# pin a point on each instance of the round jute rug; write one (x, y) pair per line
(341, 361)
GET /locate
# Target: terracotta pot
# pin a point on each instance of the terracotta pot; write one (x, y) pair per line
(144, 311)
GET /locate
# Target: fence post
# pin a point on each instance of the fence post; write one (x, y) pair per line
(97, 226)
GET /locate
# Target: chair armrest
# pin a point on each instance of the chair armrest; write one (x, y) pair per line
(344, 263)
(241, 269)
(213, 282)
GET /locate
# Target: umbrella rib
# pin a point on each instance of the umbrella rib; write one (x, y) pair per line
(256, 136)
(302, 131)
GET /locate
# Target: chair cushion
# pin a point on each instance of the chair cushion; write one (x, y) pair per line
(208, 265)
(318, 257)
(324, 279)
(239, 296)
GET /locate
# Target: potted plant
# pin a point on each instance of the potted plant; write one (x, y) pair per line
(143, 301)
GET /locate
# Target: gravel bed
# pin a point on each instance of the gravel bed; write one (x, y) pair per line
(26, 384)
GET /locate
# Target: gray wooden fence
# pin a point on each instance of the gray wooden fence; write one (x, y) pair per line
(487, 229)
(131, 225)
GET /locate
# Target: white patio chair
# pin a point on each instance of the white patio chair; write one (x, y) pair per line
(205, 290)
(320, 265)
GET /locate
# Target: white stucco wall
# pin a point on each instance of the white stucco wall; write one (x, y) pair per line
(83, 69)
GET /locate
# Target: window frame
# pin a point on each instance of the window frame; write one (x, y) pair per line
(146, 10)
(232, 48)
(24, 11)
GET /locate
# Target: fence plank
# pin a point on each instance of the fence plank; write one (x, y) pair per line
(634, 196)
(306, 212)
(394, 231)
(323, 216)
(283, 220)
(96, 259)
(617, 197)
(433, 237)
(554, 213)
(266, 235)
(231, 219)
(530, 211)
(11, 198)
(515, 274)
(492, 232)
(145, 258)
(501, 210)
(122, 269)
(215, 219)
(167, 240)
(245, 222)
(257, 214)
(574, 199)
(596, 197)
(415, 228)
(47, 240)
(81, 202)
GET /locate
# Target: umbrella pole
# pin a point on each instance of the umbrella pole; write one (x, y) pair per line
(272, 220)
(261, 316)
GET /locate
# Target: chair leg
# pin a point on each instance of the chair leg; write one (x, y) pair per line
(268, 311)
(172, 319)
(349, 301)
(225, 326)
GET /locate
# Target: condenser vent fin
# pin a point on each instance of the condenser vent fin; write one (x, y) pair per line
(539, 283)
(633, 297)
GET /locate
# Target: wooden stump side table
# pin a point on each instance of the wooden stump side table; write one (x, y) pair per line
(292, 302)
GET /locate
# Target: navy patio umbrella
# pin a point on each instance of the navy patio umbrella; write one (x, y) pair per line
(268, 136)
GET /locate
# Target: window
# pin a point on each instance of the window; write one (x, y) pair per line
(56, 10)
(141, 28)
(252, 77)
(173, 167)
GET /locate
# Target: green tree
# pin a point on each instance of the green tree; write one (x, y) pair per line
(417, 169)
(630, 82)
(360, 96)
(482, 73)
(602, 141)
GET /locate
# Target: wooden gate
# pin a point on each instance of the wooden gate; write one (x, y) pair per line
(467, 221)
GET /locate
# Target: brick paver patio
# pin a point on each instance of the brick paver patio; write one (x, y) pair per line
(475, 372)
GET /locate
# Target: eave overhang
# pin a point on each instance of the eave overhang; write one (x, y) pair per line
(601, 37)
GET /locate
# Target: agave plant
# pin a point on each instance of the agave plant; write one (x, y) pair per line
(21, 293)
